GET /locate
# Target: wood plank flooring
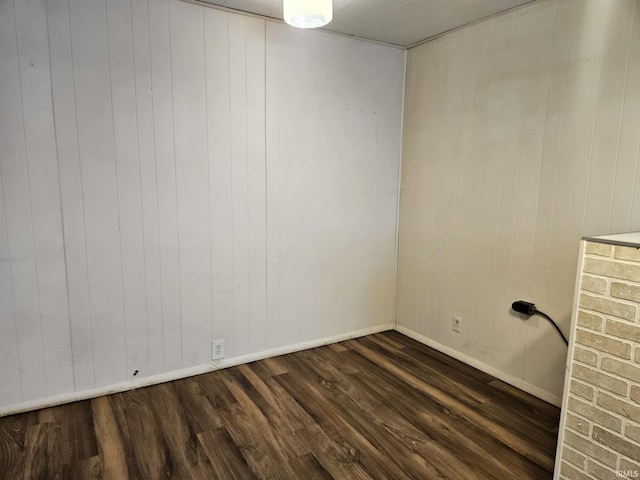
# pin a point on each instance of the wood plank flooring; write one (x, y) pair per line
(379, 407)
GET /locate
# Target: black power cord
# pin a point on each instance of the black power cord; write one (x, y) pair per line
(530, 309)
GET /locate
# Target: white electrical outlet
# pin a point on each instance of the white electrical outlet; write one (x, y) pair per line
(217, 349)
(456, 324)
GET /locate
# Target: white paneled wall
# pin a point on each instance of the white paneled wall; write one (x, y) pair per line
(172, 175)
(322, 212)
(521, 135)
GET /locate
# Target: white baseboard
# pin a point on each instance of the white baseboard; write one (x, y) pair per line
(252, 357)
(184, 373)
(514, 381)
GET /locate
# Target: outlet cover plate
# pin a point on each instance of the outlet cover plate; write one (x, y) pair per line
(456, 324)
(217, 349)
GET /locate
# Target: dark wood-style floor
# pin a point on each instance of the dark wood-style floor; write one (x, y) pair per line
(379, 407)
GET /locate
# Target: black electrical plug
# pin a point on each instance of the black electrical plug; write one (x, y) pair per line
(524, 307)
(530, 309)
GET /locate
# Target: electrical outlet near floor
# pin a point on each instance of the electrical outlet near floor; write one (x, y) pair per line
(456, 324)
(217, 349)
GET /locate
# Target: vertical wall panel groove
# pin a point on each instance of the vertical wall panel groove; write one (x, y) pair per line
(64, 109)
(44, 182)
(116, 111)
(239, 198)
(97, 159)
(629, 152)
(272, 180)
(17, 204)
(177, 318)
(531, 156)
(26, 54)
(256, 182)
(189, 104)
(509, 187)
(11, 390)
(618, 134)
(219, 138)
(607, 132)
(165, 332)
(208, 161)
(152, 300)
(127, 155)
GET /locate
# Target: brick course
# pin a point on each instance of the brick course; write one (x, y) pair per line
(595, 414)
(599, 379)
(627, 253)
(603, 344)
(580, 425)
(621, 407)
(625, 291)
(617, 443)
(632, 431)
(609, 307)
(582, 390)
(576, 458)
(590, 321)
(623, 330)
(594, 284)
(602, 249)
(606, 268)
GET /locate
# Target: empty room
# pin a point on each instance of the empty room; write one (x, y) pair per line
(320, 239)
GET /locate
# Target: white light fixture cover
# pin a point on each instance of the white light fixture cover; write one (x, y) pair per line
(308, 13)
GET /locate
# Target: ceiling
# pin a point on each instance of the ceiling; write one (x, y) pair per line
(399, 22)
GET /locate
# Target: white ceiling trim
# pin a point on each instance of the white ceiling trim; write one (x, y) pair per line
(381, 27)
(206, 4)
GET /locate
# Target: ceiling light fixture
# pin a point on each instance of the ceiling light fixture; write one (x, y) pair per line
(308, 13)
